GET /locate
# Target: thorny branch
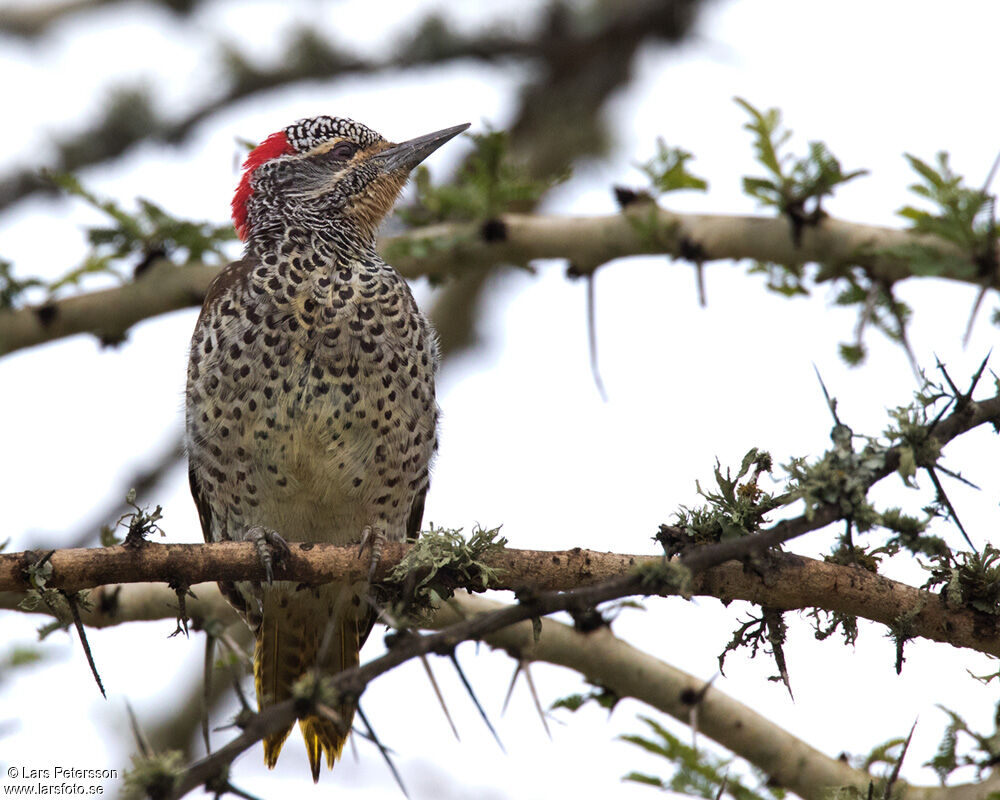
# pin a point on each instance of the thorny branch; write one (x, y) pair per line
(714, 568)
(352, 682)
(609, 662)
(531, 605)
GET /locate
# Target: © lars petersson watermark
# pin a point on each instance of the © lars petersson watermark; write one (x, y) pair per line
(57, 781)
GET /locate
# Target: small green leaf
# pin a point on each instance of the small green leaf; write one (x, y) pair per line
(668, 172)
(648, 780)
(796, 186)
(852, 354)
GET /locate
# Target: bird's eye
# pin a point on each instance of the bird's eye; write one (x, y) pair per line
(343, 150)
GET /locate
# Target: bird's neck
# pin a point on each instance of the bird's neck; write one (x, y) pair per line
(334, 242)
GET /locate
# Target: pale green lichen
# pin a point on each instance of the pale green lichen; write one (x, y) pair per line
(442, 560)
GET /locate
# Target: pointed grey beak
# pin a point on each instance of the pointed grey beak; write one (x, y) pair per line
(405, 156)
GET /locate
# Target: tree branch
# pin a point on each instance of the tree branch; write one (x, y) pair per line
(787, 582)
(605, 660)
(458, 248)
(410, 644)
(794, 763)
(608, 575)
(604, 42)
(36, 20)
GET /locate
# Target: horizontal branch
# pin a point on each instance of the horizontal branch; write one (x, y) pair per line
(614, 575)
(456, 248)
(789, 582)
(410, 644)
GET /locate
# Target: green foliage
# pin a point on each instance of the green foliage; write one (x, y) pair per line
(108, 538)
(667, 170)
(878, 307)
(983, 754)
(868, 558)
(764, 633)
(665, 575)
(841, 477)
(38, 574)
(852, 354)
(442, 559)
(696, 773)
(794, 186)
(602, 696)
(971, 580)
(826, 623)
(963, 216)
(882, 763)
(12, 288)
(911, 433)
(138, 238)
(788, 280)
(18, 657)
(910, 533)
(885, 754)
(488, 184)
(735, 509)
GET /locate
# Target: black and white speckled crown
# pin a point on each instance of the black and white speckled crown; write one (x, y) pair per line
(306, 134)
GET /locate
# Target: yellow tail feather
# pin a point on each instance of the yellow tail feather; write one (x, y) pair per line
(293, 625)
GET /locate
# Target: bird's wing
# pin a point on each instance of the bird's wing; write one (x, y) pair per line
(416, 516)
(227, 277)
(201, 503)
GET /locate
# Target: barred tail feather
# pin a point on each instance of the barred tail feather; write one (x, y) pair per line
(294, 622)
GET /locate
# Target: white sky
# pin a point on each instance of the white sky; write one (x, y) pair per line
(525, 439)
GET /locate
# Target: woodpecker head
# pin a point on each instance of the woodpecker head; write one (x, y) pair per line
(323, 169)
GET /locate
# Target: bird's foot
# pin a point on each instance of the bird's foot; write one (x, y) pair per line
(271, 548)
(372, 538)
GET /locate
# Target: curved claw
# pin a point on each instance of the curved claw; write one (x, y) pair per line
(270, 547)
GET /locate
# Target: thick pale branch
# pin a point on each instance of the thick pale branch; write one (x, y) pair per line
(457, 248)
(607, 661)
